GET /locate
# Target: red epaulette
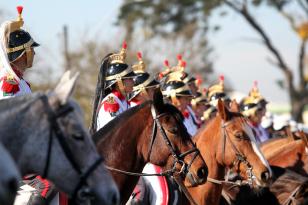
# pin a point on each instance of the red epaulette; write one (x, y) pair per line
(9, 85)
(111, 105)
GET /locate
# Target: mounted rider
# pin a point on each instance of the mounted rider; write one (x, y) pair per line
(16, 54)
(143, 90)
(115, 82)
(254, 108)
(176, 90)
(16, 57)
(144, 84)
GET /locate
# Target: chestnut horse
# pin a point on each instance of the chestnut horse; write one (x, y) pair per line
(151, 132)
(227, 142)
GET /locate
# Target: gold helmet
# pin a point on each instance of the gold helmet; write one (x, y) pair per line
(217, 91)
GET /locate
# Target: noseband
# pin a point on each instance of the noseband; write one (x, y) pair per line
(56, 131)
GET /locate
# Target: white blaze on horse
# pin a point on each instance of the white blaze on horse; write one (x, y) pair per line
(45, 135)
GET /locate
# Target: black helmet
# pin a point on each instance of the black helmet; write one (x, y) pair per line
(19, 41)
(176, 89)
(117, 70)
(143, 79)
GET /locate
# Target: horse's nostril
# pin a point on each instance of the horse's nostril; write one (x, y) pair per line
(12, 184)
(202, 173)
(265, 176)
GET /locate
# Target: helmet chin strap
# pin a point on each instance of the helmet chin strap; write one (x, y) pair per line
(121, 87)
(29, 55)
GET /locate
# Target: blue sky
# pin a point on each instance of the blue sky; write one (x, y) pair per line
(241, 60)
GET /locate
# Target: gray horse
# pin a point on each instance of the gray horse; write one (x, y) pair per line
(9, 177)
(45, 135)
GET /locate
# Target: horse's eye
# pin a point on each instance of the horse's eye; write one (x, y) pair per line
(173, 130)
(78, 136)
(239, 135)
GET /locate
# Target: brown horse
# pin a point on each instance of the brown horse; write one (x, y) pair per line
(227, 141)
(289, 188)
(152, 132)
(292, 155)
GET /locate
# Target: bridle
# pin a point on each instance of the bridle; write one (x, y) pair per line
(240, 158)
(56, 131)
(178, 158)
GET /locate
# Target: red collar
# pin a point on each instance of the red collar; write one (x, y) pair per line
(118, 94)
(134, 100)
(185, 114)
(253, 124)
(18, 73)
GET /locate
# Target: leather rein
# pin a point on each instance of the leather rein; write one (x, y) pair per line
(56, 131)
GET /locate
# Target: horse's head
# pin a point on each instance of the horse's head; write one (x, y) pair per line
(237, 147)
(9, 177)
(174, 143)
(70, 153)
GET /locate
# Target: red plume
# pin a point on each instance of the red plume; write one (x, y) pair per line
(139, 55)
(166, 62)
(198, 80)
(222, 78)
(183, 64)
(124, 45)
(179, 57)
(19, 9)
(204, 91)
(255, 84)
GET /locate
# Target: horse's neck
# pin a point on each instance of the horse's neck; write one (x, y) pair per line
(16, 133)
(123, 149)
(209, 193)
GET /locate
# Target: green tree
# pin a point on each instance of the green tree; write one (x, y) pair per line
(175, 16)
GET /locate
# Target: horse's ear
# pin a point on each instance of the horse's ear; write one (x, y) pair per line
(234, 106)
(158, 100)
(65, 87)
(222, 110)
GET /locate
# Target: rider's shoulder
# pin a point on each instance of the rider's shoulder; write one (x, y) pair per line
(110, 103)
(10, 85)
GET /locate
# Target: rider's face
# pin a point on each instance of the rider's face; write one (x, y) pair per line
(128, 85)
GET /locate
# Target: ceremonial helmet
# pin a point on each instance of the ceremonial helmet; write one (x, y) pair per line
(174, 86)
(253, 102)
(255, 94)
(143, 79)
(217, 91)
(117, 69)
(15, 43)
(20, 41)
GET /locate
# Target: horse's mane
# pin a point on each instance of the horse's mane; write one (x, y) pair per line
(19, 102)
(122, 118)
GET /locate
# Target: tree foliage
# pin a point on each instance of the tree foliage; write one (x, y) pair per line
(174, 17)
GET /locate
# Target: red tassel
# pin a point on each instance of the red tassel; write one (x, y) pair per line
(19, 9)
(204, 91)
(9, 86)
(124, 45)
(183, 64)
(139, 55)
(222, 78)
